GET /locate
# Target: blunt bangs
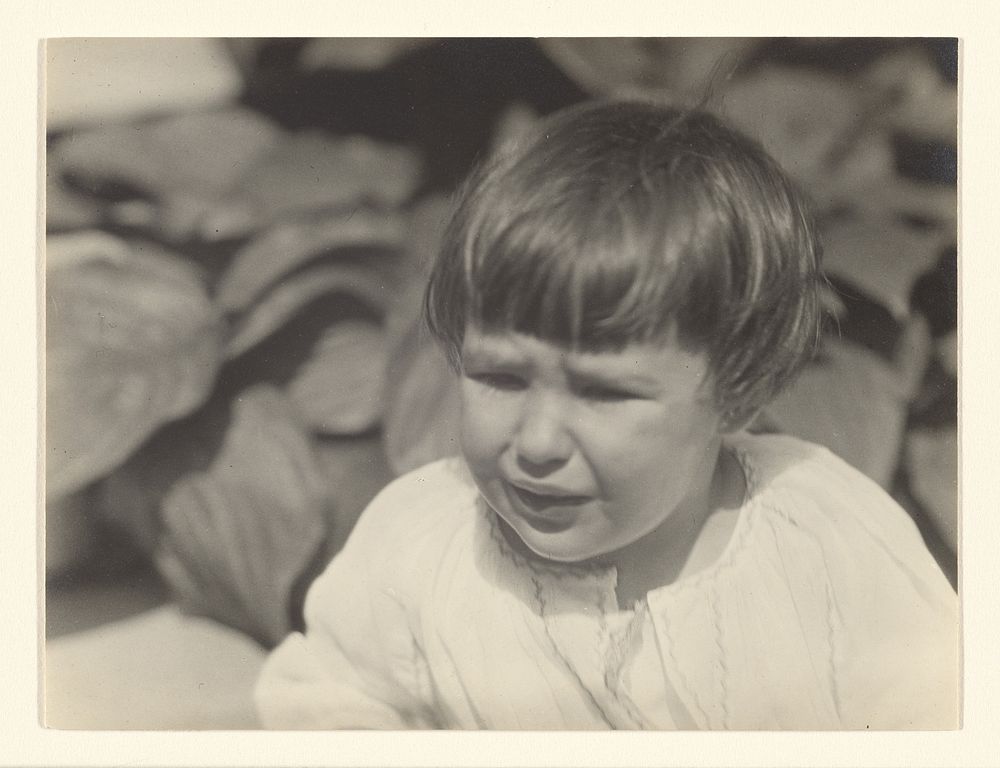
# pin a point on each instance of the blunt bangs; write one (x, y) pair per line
(572, 277)
(626, 222)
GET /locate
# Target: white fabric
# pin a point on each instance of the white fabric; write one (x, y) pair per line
(825, 611)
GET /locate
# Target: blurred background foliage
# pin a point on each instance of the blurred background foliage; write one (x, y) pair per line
(235, 364)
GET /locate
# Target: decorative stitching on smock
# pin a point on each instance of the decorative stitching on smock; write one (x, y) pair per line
(833, 621)
(682, 678)
(543, 613)
(752, 499)
(722, 670)
(747, 514)
(618, 646)
(577, 571)
(423, 684)
(538, 567)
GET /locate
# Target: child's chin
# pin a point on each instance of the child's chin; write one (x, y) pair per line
(559, 548)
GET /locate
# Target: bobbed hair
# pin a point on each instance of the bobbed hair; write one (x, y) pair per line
(621, 222)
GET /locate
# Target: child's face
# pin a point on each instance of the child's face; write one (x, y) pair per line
(583, 454)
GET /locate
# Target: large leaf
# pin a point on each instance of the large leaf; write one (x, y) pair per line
(293, 294)
(861, 162)
(66, 208)
(837, 135)
(678, 67)
(160, 175)
(130, 497)
(932, 467)
(947, 353)
(237, 536)
(934, 206)
(97, 80)
(70, 534)
(425, 229)
(916, 98)
(882, 257)
(420, 422)
(356, 53)
(353, 470)
(130, 345)
(311, 171)
(852, 401)
(339, 389)
(803, 118)
(81, 247)
(290, 244)
(422, 402)
(356, 469)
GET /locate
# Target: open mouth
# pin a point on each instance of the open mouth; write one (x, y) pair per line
(544, 500)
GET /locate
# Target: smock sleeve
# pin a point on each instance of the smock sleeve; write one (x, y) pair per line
(894, 615)
(357, 665)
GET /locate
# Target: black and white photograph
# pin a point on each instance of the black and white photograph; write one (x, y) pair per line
(508, 384)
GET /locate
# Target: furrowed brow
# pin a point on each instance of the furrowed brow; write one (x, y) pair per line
(611, 375)
(484, 351)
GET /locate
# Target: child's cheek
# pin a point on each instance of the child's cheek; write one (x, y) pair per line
(623, 434)
(487, 422)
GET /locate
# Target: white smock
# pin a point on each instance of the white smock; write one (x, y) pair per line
(824, 611)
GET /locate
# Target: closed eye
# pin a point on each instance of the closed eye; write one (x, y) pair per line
(606, 394)
(506, 382)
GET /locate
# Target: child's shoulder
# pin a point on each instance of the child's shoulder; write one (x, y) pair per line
(429, 502)
(812, 490)
(778, 464)
(438, 487)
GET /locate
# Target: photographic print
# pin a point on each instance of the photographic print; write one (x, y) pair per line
(501, 383)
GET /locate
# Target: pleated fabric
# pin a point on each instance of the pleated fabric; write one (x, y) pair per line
(824, 611)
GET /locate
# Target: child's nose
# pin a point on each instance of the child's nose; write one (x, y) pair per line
(542, 440)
